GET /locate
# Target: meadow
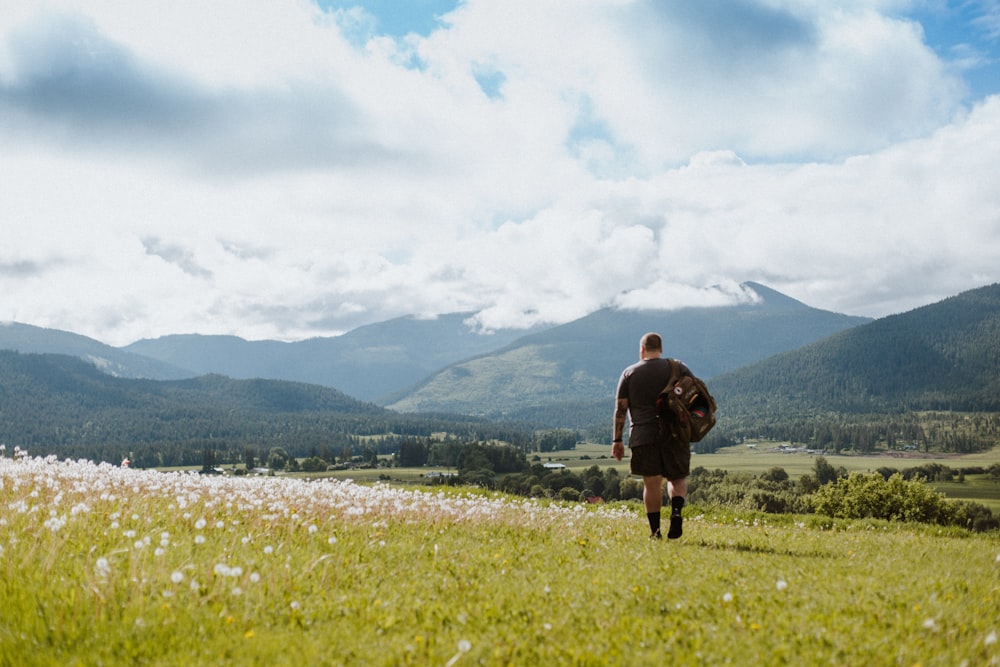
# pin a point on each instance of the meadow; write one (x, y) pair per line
(109, 566)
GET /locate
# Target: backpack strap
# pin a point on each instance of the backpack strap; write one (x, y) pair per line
(675, 372)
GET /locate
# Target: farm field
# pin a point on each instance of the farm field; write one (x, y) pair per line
(103, 565)
(759, 459)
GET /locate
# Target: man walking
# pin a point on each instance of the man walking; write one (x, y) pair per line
(655, 453)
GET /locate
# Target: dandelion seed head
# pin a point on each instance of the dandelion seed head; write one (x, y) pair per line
(728, 597)
(781, 585)
(177, 576)
(268, 550)
(200, 524)
(464, 645)
(991, 638)
(199, 539)
(254, 577)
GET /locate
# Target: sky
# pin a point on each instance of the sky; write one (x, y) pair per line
(285, 169)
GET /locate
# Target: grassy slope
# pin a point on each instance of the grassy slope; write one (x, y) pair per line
(285, 572)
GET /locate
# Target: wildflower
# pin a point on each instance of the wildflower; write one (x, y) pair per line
(254, 577)
(333, 540)
(728, 597)
(991, 638)
(102, 567)
(177, 577)
(200, 524)
(268, 550)
(199, 539)
(782, 584)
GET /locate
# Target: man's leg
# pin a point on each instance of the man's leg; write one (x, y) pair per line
(652, 497)
(677, 490)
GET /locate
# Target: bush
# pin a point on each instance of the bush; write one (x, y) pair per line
(862, 496)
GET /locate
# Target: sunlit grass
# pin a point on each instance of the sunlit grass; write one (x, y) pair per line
(100, 565)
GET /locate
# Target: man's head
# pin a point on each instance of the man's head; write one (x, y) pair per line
(650, 346)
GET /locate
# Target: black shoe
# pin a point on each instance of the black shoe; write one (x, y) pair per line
(656, 535)
(676, 527)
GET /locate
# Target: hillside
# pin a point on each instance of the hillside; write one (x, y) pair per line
(63, 405)
(111, 360)
(367, 363)
(944, 356)
(580, 362)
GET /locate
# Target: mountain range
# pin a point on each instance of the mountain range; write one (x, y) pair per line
(582, 360)
(944, 356)
(443, 364)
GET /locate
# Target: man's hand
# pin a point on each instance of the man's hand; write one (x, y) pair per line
(617, 450)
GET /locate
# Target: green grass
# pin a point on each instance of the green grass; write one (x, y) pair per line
(100, 565)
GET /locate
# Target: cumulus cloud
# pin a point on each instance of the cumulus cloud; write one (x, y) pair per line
(271, 169)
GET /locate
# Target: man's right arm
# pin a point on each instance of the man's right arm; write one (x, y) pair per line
(617, 444)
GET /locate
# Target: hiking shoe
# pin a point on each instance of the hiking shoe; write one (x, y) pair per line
(656, 535)
(676, 527)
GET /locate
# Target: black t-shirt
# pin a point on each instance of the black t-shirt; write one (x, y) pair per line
(641, 383)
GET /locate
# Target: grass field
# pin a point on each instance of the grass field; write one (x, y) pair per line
(104, 566)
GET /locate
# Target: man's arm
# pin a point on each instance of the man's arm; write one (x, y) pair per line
(621, 411)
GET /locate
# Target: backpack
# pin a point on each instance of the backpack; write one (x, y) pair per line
(684, 406)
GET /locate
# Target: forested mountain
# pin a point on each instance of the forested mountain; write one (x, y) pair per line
(945, 356)
(111, 360)
(576, 363)
(63, 405)
(367, 363)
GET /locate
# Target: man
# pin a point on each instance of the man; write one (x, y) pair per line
(655, 454)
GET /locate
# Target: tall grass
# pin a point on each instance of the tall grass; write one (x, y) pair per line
(104, 566)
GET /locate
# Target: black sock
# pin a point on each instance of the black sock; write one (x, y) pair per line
(676, 522)
(654, 521)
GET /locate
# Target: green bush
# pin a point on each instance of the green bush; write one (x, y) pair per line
(862, 496)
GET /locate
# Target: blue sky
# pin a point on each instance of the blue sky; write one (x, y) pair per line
(286, 169)
(395, 18)
(965, 31)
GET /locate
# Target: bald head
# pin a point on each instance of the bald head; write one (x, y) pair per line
(650, 346)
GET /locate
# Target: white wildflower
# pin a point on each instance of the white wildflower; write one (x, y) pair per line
(782, 584)
(102, 567)
(177, 576)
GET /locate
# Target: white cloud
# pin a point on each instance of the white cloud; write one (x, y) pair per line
(241, 167)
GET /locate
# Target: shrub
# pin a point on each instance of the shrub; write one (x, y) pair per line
(862, 496)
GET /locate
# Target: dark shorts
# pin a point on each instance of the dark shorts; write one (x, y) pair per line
(671, 459)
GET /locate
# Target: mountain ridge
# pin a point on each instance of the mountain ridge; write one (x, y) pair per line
(582, 360)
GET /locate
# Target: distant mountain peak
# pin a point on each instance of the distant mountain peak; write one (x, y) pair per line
(772, 297)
